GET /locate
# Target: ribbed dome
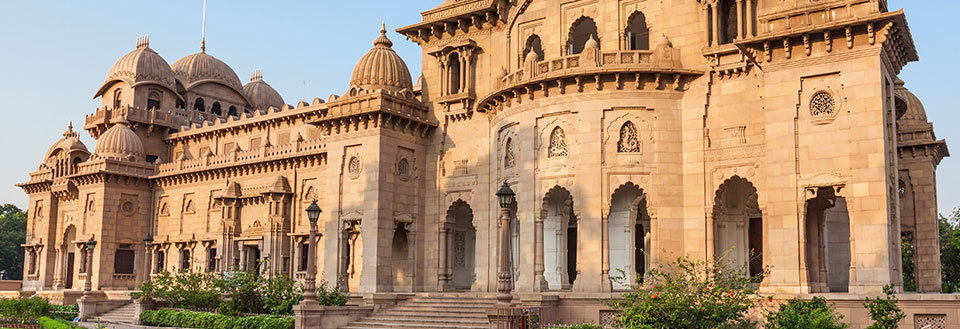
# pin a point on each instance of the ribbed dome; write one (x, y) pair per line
(69, 143)
(120, 142)
(914, 108)
(201, 67)
(381, 67)
(260, 94)
(142, 65)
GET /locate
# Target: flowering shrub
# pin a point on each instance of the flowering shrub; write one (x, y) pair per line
(231, 293)
(812, 314)
(690, 293)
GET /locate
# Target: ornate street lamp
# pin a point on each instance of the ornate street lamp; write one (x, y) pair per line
(506, 196)
(147, 255)
(309, 284)
(88, 283)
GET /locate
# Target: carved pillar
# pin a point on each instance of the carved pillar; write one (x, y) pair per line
(716, 23)
(503, 265)
(411, 255)
(463, 74)
(58, 269)
(706, 32)
(740, 34)
(539, 282)
(443, 278)
(605, 284)
(750, 23)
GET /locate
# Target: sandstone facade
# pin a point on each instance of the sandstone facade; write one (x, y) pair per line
(772, 133)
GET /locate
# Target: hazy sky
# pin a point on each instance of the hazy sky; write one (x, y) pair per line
(54, 56)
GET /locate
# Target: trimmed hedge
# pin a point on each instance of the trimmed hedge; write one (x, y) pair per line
(204, 320)
(48, 323)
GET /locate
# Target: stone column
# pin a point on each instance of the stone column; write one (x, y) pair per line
(58, 269)
(716, 23)
(503, 265)
(148, 258)
(539, 282)
(740, 33)
(411, 255)
(88, 283)
(749, 22)
(706, 31)
(605, 284)
(443, 277)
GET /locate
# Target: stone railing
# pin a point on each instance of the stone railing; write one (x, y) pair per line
(264, 153)
(564, 64)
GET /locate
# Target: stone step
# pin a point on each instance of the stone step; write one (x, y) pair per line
(453, 300)
(423, 320)
(434, 314)
(378, 324)
(439, 309)
(446, 304)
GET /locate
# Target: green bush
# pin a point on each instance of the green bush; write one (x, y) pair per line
(578, 326)
(194, 291)
(331, 296)
(48, 323)
(799, 313)
(24, 309)
(230, 293)
(191, 319)
(690, 294)
(884, 310)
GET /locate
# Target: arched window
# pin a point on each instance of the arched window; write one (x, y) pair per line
(232, 111)
(638, 34)
(901, 107)
(629, 141)
(728, 21)
(453, 63)
(558, 143)
(215, 109)
(153, 99)
(509, 159)
(581, 31)
(198, 105)
(535, 45)
(117, 98)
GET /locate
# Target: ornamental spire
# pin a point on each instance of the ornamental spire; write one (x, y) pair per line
(70, 133)
(382, 40)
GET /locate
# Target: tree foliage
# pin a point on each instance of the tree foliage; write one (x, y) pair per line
(950, 251)
(815, 313)
(884, 310)
(13, 233)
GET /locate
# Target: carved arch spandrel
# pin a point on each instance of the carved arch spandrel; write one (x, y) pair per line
(644, 120)
(549, 186)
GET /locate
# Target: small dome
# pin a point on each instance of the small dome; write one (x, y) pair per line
(908, 105)
(591, 43)
(140, 66)
(260, 94)
(120, 142)
(70, 142)
(200, 67)
(381, 67)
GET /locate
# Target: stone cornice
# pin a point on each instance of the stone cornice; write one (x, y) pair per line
(271, 116)
(203, 174)
(459, 17)
(243, 159)
(936, 150)
(375, 109)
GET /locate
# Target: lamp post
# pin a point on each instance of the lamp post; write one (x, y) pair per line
(88, 283)
(148, 255)
(505, 196)
(309, 284)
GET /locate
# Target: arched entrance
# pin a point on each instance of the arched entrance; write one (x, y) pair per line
(71, 258)
(629, 235)
(559, 239)
(738, 226)
(460, 236)
(400, 258)
(828, 247)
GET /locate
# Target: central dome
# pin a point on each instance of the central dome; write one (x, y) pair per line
(140, 66)
(381, 67)
(201, 67)
(120, 142)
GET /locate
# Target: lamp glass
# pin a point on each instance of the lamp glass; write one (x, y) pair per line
(313, 212)
(148, 241)
(505, 195)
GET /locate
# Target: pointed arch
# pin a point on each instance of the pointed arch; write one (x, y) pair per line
(630, 234)
(580, 31)
(637, 32)
(459, 235)
(560, 232)
(738, 225)
(533, 44)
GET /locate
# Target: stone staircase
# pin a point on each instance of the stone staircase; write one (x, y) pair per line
(122, 314)
(431, 311)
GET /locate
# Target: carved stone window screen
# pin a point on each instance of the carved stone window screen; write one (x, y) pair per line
(509, 159)
(822, 104)
(558, 143)
(403, 169)
(930, 321)
(629, 140)
(460, 249)
(354, 166)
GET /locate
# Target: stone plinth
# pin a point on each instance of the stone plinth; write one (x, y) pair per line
(310, 314)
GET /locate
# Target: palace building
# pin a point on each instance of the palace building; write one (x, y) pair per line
(773, 133)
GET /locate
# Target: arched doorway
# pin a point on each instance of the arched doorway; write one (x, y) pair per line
(400, 257)
(828, 248)
(738, 226)
(559, 239)
(637, 32)
(461, 238)
(629, 235)
(71, 258)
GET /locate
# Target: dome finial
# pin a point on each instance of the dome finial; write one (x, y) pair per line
(382, 40)
(256, 75)
(70, 133)
(143, 41)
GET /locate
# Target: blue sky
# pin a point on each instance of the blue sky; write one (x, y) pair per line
(54, 55)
